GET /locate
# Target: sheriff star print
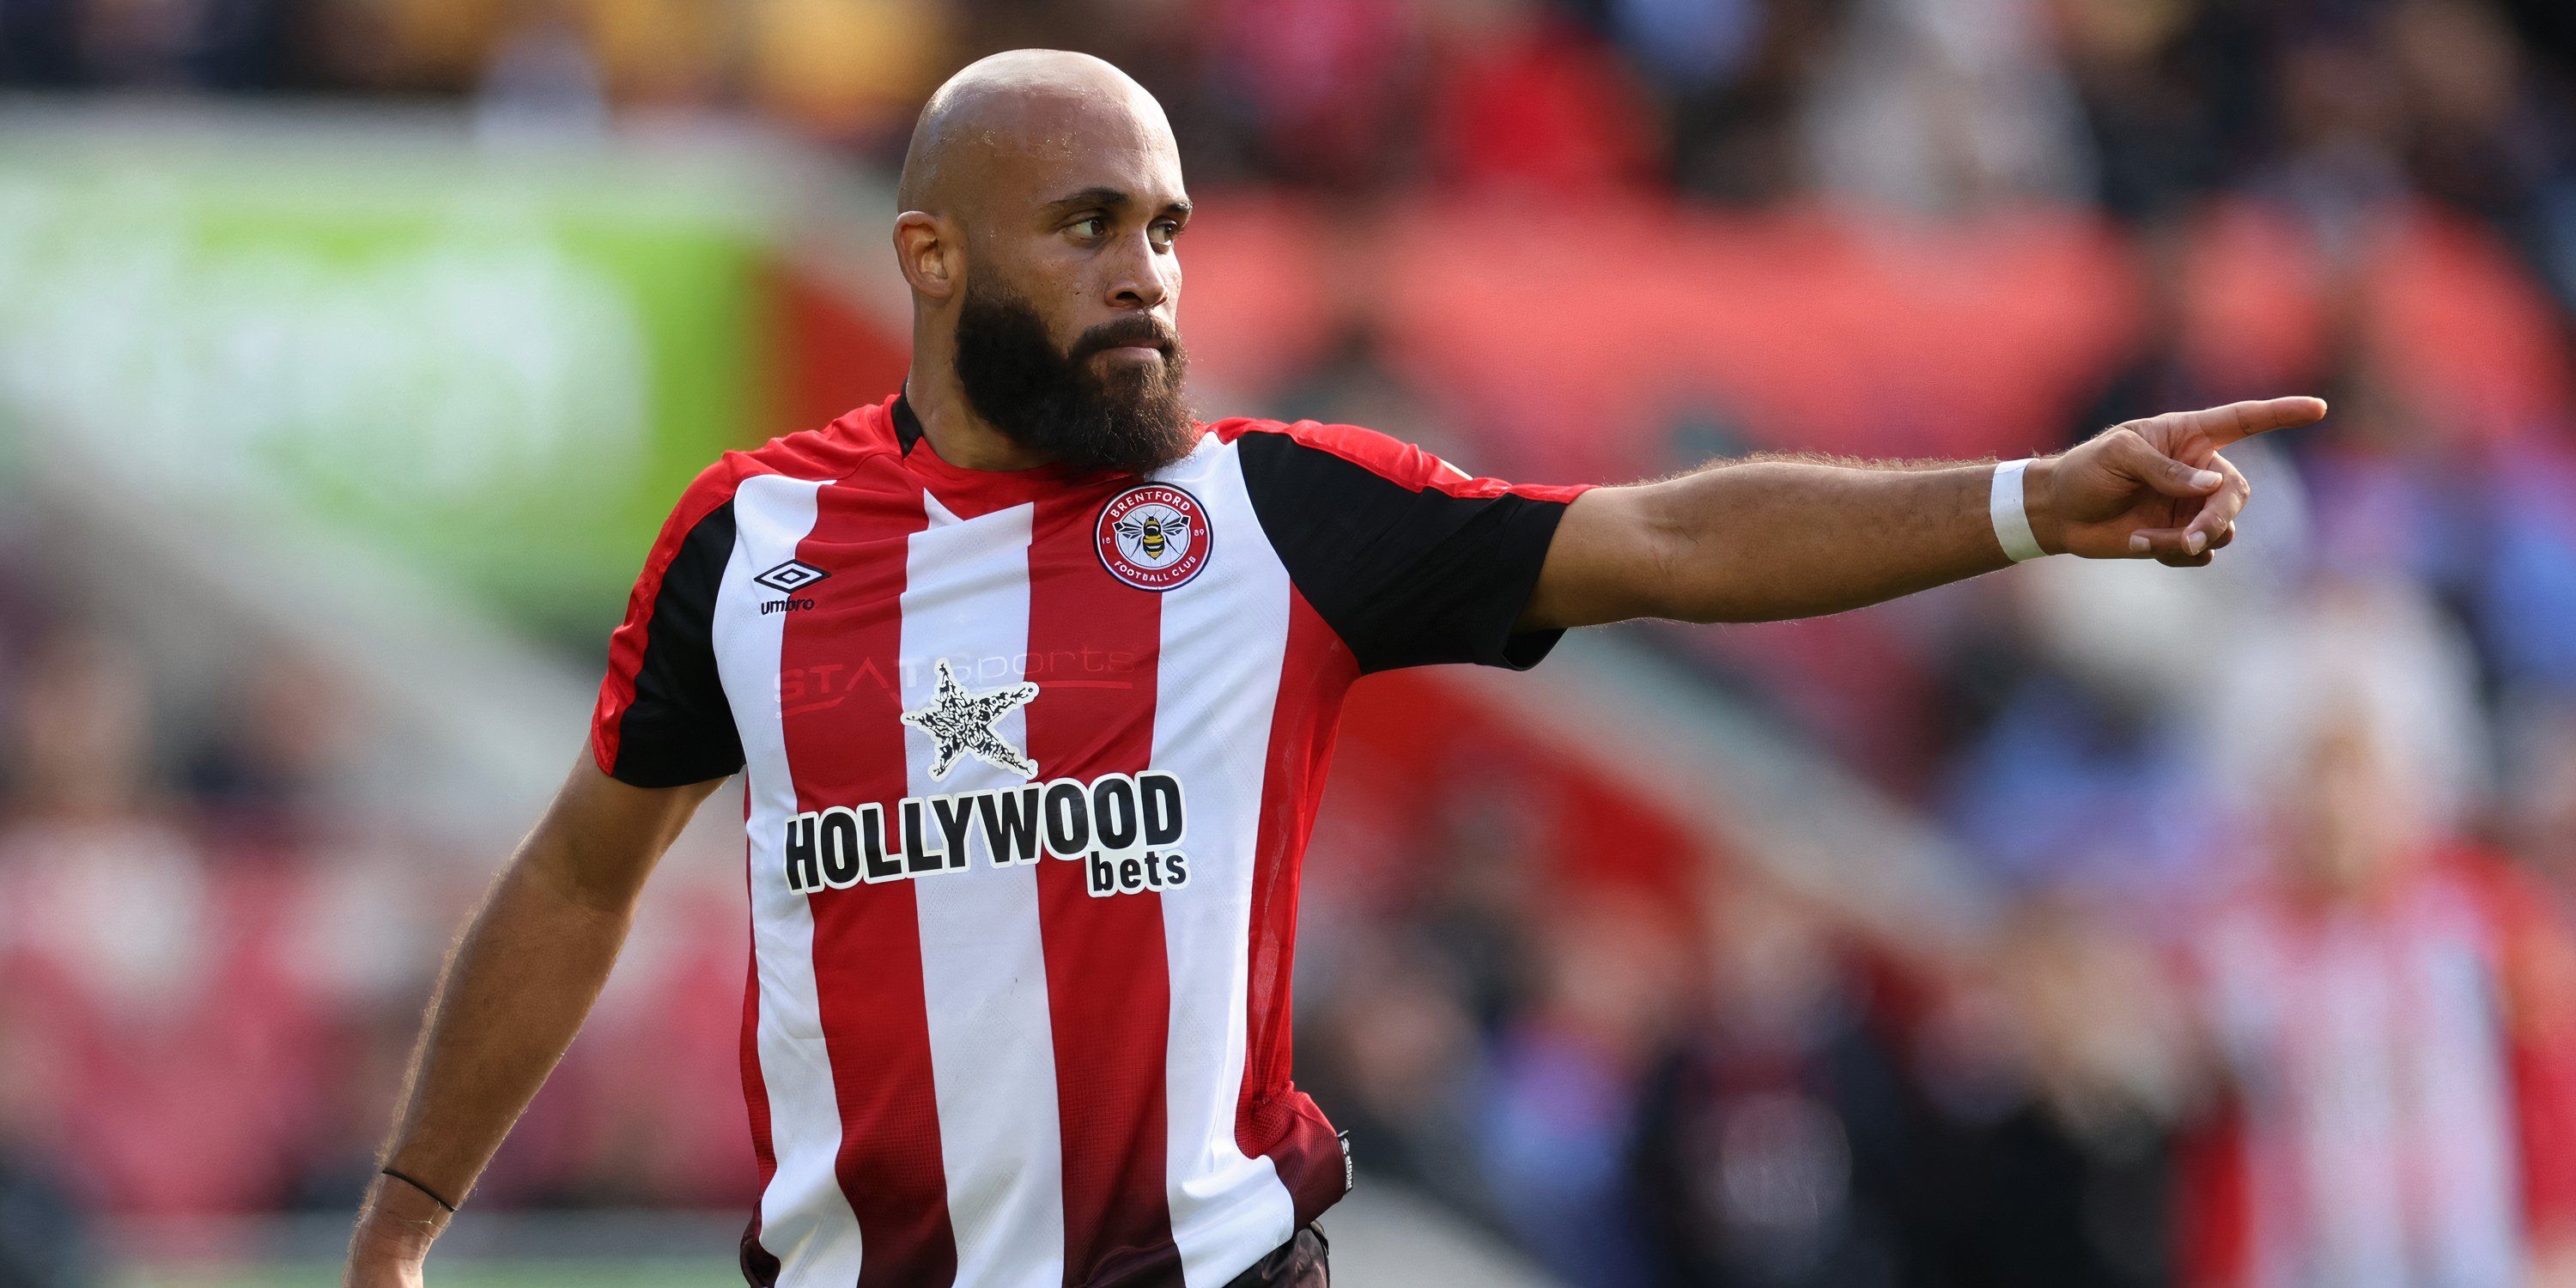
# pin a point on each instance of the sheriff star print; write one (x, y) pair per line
(961, 723)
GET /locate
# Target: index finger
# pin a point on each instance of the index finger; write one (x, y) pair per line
(2241, 420)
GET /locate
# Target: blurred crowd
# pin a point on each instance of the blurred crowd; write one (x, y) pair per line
(2329, 1039)
(1930, 105)
(214, 953)
(2279, 988)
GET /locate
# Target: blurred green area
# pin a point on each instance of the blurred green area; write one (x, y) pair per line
(460, 357)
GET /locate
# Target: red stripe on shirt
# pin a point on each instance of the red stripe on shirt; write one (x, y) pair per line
(1271, 1116)
(841, 703)
(1093, 645)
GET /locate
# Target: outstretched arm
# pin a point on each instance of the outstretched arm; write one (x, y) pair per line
(514, 992)
(1765, 539)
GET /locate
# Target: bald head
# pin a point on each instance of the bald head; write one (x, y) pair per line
(1003, 116)
(1041, 205)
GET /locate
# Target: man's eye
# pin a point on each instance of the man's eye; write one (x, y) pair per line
(1094, 226)
(1164, 232)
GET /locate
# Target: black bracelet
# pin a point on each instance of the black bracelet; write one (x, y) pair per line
(433, 1194)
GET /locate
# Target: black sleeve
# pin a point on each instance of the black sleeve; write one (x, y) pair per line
(678, 727)
(1406, 570)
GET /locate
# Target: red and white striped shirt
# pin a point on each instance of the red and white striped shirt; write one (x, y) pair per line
(1031, 758)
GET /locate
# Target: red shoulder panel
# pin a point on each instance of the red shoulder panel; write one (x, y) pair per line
(1392, 459)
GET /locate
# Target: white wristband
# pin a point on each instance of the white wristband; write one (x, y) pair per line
(2011, 515)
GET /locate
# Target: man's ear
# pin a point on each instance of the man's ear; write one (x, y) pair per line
(928, 254)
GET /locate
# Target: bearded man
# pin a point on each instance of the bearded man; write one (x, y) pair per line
(1032, 679)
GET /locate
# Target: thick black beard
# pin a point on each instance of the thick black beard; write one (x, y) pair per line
(1056, 404)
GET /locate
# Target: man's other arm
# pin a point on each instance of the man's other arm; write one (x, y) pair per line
(1766, 539)
(513, 993)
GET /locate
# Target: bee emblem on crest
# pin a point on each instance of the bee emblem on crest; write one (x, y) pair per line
(1154, 536)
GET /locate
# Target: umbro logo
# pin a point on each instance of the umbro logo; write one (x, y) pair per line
(791, 576)
(787, 579)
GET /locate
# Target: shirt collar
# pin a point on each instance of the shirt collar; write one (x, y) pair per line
(907, 425)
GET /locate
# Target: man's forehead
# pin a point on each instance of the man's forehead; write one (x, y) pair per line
(1029, 127)
(1049, 149)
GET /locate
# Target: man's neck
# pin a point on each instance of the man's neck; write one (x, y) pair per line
(961, 437)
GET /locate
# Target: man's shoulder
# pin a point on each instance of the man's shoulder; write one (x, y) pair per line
(1291, 442)
(821, 454)
(1312, 433)
(1311, 451)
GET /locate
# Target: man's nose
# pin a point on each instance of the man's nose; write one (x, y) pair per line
(1142, 278)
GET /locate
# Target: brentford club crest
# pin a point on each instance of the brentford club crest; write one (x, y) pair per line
(1153, 536)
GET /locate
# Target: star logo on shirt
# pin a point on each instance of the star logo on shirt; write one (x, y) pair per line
(961, 723)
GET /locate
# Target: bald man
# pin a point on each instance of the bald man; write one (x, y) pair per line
(1032, 679)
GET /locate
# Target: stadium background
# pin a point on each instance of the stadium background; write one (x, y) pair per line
(2080, 925)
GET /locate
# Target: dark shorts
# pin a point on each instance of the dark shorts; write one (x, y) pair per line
(1298, 1263)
